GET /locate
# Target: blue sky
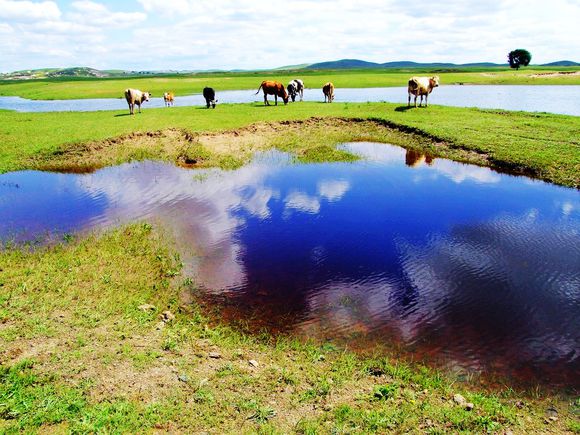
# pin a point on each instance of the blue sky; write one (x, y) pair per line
(228, 34)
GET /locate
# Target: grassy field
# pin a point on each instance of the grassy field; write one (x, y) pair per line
(543, 145)
(190, 84)
(101, 334)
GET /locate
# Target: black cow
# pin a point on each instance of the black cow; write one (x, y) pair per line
(209, 95)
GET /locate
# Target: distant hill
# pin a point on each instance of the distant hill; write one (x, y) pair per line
(344, 64)
(356, 63)
(562, 63)
(47, 73)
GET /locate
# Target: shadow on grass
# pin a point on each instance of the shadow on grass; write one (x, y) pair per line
(403, 108)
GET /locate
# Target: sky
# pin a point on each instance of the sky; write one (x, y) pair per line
(256, 34)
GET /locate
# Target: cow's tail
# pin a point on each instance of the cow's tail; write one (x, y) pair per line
(259, 89)
(413, 84)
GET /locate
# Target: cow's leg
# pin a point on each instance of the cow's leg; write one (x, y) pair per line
(131, 109)
(426, 96)
(276, 99)
(416, 100)
(207, 103)
(266, 100)
(409, 100)
(139, 106)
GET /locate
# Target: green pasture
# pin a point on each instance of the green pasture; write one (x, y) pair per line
(543, 145)
(52, 89)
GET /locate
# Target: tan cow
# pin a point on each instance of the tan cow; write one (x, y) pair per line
(168, 98)
(271, 87)
(136, 97)
(419, 86)
(328, 91)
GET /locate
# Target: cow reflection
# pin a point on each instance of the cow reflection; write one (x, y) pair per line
(414, 158)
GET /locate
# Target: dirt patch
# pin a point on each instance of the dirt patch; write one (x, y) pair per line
(231, 149)
(556, 74)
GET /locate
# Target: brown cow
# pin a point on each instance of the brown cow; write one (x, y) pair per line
(136, 97)
(328, 91)
(270, 87)
(168, 98)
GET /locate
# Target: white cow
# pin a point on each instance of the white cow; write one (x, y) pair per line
(296, 87)
(136, 97)
(419, 86)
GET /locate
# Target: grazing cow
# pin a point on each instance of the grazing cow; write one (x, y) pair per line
(296, 87)
(168, 98)
(328, 91)
(136, 97)
(419, 86)
(209, 95)
(277, 89)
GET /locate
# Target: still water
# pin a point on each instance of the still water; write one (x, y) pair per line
(553, 99)
(456, 264)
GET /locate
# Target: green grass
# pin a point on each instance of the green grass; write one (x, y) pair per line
(51, 89)
(543, 145)
(78, 355)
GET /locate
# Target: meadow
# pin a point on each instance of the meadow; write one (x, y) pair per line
(542, 145)
(85, 344)
(187, 84)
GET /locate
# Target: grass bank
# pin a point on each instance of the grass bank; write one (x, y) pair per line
(101, 334)
(542, 145)
(53, 89)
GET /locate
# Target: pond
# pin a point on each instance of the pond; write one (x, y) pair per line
(553, 99)
(455, 264)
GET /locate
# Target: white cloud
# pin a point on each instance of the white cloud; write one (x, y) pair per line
(97, 14)
(194, 34)
(28, 11)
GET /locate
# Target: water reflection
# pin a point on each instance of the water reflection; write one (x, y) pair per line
(415, 158)
(453, 262)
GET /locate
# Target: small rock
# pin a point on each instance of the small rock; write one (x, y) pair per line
(519, 404)
(215, 355)
(459, 399)
(147, 307)
(551, 412)
(508, 432)
(167, 316)
(327, 408)
(160, 326)
(469, 406)
(253, 363)
(553, 418)
(183, 378)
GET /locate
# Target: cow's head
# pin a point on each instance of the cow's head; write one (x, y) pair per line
(146, 96)
(292, 91)
(284, 95)
(434, 81)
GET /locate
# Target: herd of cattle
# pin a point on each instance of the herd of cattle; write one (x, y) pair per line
(417, 86)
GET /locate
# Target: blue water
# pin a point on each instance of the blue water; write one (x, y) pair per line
(552, 99)
(453, 262)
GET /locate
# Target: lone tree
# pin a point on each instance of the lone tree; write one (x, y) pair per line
(519, 57)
